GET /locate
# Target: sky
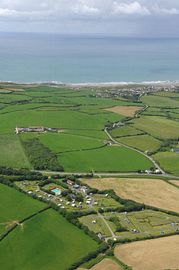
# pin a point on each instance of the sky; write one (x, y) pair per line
(140, 18)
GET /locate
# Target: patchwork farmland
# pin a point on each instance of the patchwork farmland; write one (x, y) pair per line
(83, 171)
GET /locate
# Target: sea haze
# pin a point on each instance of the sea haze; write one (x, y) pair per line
(80, 59)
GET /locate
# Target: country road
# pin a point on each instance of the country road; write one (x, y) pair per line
(83, 174)
(134, 149)
(119, 174)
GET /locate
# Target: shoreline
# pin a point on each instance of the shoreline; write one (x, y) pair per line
(96, 84)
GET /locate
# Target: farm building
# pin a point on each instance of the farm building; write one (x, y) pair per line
(36, 129)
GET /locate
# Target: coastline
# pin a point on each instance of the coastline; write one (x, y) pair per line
(96, 84)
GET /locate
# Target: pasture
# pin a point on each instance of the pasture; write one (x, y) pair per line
(12, 152)
(160, 101)
(106, 159)
(60, 142)
(157, 126)
(141, 142)
(153, 254)
(164, 195)
(47, 241)
(126, 130)
(169, 161)
(15, 206)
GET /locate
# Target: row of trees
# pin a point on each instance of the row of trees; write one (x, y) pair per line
(20, 174)
(40, 156)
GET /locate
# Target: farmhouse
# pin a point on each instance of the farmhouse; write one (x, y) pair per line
(36, 129)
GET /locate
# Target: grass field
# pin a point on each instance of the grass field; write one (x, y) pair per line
(141, 142)
(158, 126)
(60, 142)
(159, 101)
(15, 206)
(169, 161)
(108, 159)
(128, 111)
(125, 131)
(152, 192)
(107, 264)
(155, 254)
(46, 242)
(12, 152)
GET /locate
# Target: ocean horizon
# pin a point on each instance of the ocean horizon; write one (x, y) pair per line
(39, 58)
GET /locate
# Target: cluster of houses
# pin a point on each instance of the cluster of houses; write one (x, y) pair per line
(39, 129)
(116, 92)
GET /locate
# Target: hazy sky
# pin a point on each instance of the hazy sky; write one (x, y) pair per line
(123, 17)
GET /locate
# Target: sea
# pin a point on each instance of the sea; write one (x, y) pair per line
(27, 57)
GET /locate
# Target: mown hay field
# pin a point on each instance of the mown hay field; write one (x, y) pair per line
(152, 192)
(106, 264)
(152, 254)
(128, 111)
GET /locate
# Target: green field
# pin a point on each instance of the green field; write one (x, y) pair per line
(158, 127)
(141, 142)
(108, 159)
(169, 161)
(12, 152)
(47, 241)
(125, 131)
(15, 206)
(60, 142)
(159, 101)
